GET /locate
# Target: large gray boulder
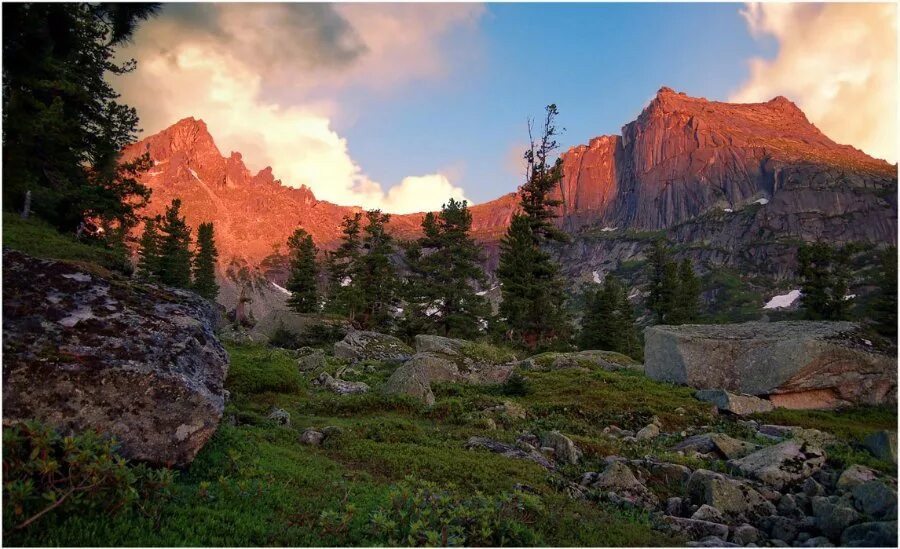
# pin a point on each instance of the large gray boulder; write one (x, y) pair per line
(781, 465)
(363, 345)
(797, 364)
(85, 349)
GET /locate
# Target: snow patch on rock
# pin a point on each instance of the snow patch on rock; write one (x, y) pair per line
(782, 301)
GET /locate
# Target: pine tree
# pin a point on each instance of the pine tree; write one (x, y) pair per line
(609, 322)
(687, 298)
(663, 283)
(205, 262)
(63, 128)
(149, 251)
(885, 306)
(444, 271)
(175, 251)
(533, 310)
(303, 279)
(824, 278)
(374, 276)
(343, 291)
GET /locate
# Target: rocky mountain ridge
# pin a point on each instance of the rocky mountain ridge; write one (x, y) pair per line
(735, 185)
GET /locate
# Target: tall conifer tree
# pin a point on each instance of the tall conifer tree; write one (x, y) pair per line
(343, 291)
(444, 265)
(205, 262)
(175, 251)
(374, 275)
(303, 280)
(149, 251)
(533, 310)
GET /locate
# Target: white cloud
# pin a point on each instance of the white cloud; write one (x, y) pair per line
(838, 62)
(218, 63)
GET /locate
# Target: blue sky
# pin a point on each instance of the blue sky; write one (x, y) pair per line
(401, 106)
(600, 66)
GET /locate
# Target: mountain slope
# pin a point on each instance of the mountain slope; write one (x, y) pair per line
(732, 185)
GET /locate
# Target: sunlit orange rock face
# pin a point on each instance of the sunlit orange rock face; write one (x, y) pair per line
(682, 157)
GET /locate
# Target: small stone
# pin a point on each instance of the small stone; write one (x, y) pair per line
(563, 447)
(780, 528)
(673, 506)
(696, 529)
(744, 534)
(708, 513)
(680, 411)
(787, 506)
(312, 437)
(649, 432)
(854, 476)
(312, 360)
(781, 465)
(280, 416)
(812, 488)
(741, 405)
(819, 541)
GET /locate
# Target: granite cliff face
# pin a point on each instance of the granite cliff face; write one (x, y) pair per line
(737, 184)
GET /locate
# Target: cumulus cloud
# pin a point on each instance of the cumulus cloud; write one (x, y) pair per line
(261, 75)
(838, 62)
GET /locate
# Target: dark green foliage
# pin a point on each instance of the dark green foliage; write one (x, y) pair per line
(374, 275)
(674, 288)
(609, 322)
(303, 279)
(422, 513)
(284, 338)
(687, 299)
(258, 370)
(205, 262)
(884, 308)
(444, 270)
(63, 129)
(149, 251)
(343, 292)
(515, 385)
(824, 277)
(174, 248)
(533, 313)
(46, 476)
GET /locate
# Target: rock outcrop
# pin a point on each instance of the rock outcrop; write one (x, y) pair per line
(362, 345)
(84, 349)
(796, 364)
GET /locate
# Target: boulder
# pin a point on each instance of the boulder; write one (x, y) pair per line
(744, 534)
(719, 443)
(340, 386)
(86, 349)
(733, 497)
(508, 450)
(781, 465)
(312, 360)
(883, 445)
(280, 416)
(362, 345)
(621, 486)
(649, 432)
(695, 529)
(784, 360)
(833, 518)
(875, 499)
(312, 437)
(742, 405)
(438, 344)
(871, 534)
(708, 513)
(415, 376)
(854, 476)
(563, 447)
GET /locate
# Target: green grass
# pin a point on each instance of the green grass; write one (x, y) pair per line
(39, 239)
(491, 354)
(255, 484)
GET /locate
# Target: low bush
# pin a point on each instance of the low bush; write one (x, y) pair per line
(256, 369)
(423, 514)
(46, 475)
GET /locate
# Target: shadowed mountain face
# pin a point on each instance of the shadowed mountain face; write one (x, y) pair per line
(736, 184)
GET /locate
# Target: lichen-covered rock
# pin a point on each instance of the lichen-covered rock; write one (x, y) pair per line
(876, 499)
(833, 517)
(437, 344)
(695, 529)
(280, 416)
(733, 497)
(718, 443)
(312, 437)
(508, 450)
(649, 432)
(854, 476)
(871, 534)
(340, 386)
(883, 445)
(415, 376)
(621, 486)
(85, 349)
(778, 359)
(311, 360)
(362, 345)
(563, 447)
(781, 465)
(742, 405)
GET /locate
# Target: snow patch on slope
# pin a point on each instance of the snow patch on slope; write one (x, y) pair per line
(782, 301)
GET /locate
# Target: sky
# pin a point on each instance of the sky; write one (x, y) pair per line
(402, 106)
